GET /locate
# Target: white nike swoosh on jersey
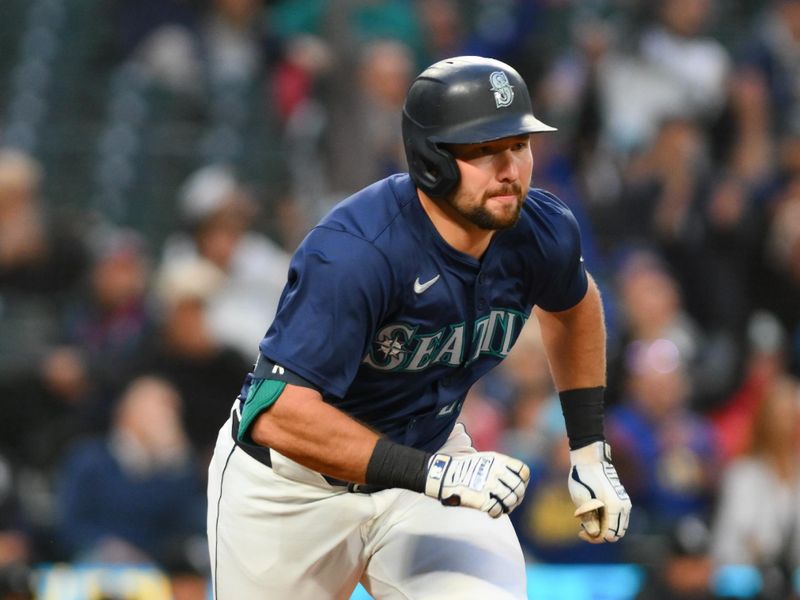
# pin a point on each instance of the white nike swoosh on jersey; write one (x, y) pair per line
(421, 287)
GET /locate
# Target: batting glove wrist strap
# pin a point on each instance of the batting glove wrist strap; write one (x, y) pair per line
(488, 481)
(602, 503)
(590, 454)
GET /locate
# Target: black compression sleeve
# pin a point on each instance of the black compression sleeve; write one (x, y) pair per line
(396, 466)
(583, 415)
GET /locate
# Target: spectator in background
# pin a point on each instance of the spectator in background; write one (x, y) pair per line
(101, 327)
(42, 410)
(443, 27)
(41, 262)
(347, 67)
(752, 145)
(135, 20)
(530, 399)
(219, 217)
(663, 194)
(704, 226)
(661, 183)
(133, 496)
(305, 61)
(341, 144)
(725, 254)
(191, 48)
(169, 56)
(765, 94)
(183, 350)
(375, 45)
(681, 568)
(668, 452)
(386, 71)
(758, 516)
(572, 94)
(108, 321)
(301, 74)
(766, 363)
(652, 308)
(678, 46)
(38, 255)
(777, 282)
(364, 141)
(771, 54)
(105, 324)
(677, 72)
(654, 305)
(234, 42)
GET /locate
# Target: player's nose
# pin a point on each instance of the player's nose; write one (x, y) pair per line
(506, 165)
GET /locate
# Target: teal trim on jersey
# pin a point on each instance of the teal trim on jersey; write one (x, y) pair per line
(262, 394)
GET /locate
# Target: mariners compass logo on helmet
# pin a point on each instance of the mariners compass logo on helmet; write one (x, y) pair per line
(503, 92)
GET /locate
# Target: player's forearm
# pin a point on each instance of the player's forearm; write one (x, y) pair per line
(575, 342)
(304, 428)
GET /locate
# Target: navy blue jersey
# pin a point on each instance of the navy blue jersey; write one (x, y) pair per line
(393, 325)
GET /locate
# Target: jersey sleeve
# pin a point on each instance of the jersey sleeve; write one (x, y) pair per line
(338, 288)
(567, 282)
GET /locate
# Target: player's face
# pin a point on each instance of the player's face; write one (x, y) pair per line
(495, 177)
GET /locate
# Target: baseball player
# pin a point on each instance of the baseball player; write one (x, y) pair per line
(343, 460)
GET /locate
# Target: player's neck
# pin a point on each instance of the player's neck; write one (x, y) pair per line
(455, 229)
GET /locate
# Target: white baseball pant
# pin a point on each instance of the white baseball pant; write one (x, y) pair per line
(286, 533)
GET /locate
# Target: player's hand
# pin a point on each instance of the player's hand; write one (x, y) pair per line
(488, 481)
(603, 504)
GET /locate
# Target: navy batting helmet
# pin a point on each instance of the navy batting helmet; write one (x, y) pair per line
(461, 100)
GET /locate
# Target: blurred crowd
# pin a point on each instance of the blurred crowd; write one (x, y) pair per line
(678, 150)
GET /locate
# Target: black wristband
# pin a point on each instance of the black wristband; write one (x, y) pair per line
(583, 415)
(396, 466)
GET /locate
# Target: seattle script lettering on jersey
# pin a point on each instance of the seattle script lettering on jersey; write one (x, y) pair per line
(399, 347)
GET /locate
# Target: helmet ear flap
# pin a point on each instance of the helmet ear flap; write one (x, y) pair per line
(433, 169)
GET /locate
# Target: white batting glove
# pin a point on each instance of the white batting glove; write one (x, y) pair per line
(488, 481)
(603, 504)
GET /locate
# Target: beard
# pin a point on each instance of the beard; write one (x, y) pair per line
(480, 216)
